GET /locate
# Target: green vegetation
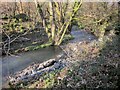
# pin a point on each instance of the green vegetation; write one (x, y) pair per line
(30, 48)
(58, 21)
(28, 26)
(67, 37)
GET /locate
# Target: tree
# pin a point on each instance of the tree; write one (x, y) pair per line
(59, 19)
(98, 18)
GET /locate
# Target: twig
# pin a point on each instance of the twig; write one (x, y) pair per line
(10, 41)
(7, 52)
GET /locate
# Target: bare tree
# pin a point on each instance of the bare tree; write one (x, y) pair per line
(59, 21)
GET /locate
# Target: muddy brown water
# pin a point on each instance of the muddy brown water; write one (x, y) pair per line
(13, 64)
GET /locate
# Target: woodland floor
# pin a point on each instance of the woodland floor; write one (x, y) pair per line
(97, 66)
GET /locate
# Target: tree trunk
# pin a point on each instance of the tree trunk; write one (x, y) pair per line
(20, 7)
(52, 20)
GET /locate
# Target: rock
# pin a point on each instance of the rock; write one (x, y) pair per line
(56, 65)
(59, 78)
(34, 71)
(40, 67)
(60, 56)
(26, 73)
(49, 63)
(83, 81)
(12, 79)
(51, 69)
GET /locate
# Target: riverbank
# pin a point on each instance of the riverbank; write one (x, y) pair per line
(98, 69)
(22, 43)
(87, 64)
(32, 41)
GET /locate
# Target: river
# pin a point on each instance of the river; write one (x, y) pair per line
(13, 64)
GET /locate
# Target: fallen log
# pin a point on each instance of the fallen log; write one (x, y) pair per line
(35, 71)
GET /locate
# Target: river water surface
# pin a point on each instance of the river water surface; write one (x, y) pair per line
(13, 64)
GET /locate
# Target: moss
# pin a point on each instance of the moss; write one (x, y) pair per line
(30, 48)
(81, 26)
(68, 37)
